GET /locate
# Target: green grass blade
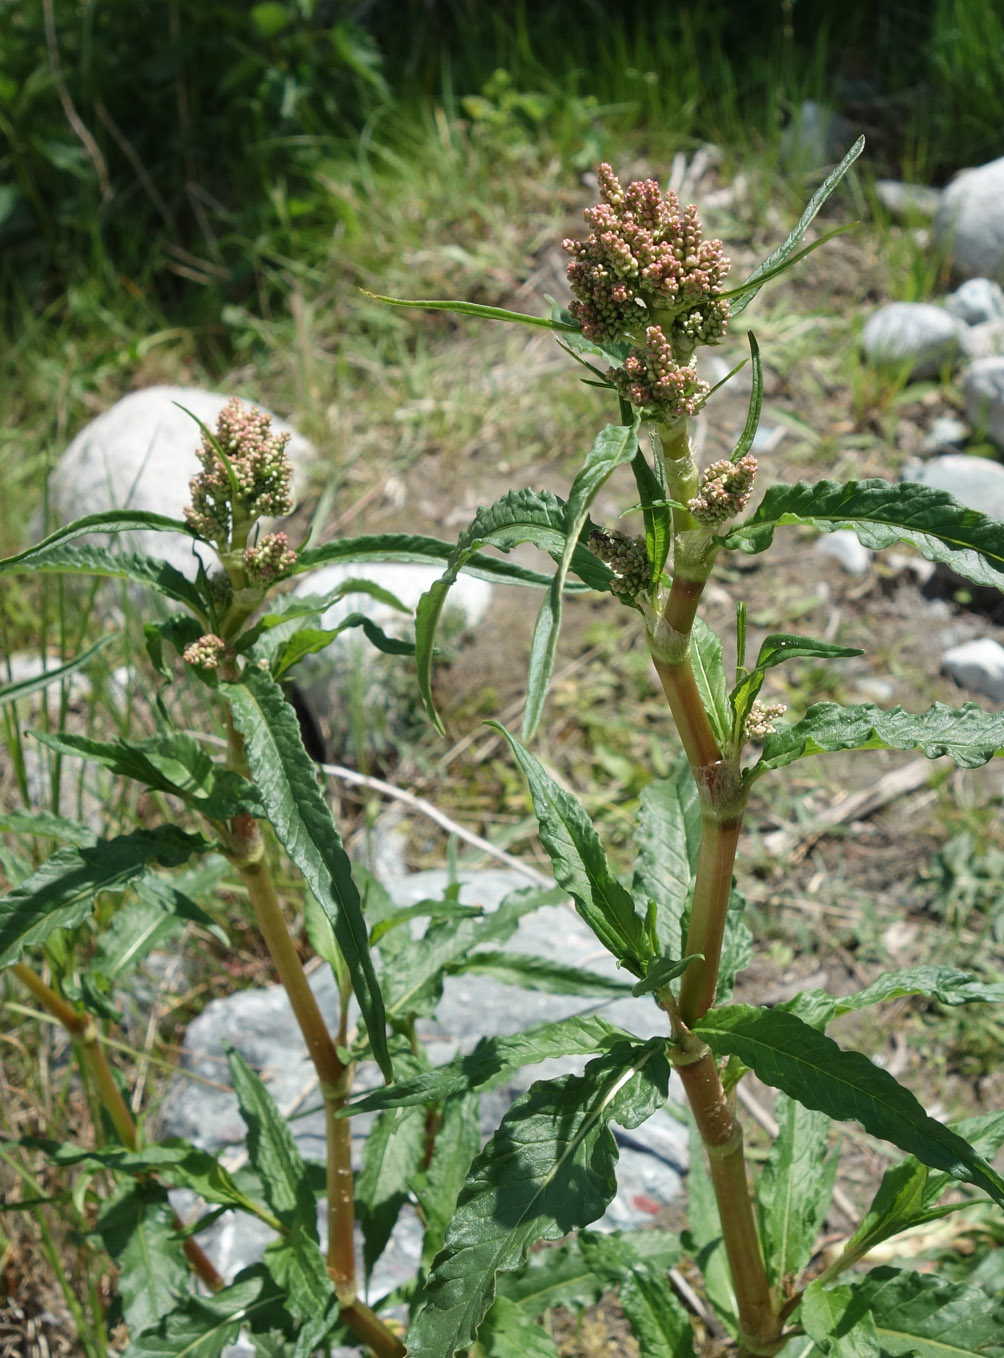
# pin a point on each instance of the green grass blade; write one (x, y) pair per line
(490, 313)
(286, 779)
(549, 1168)
(882, 513)
(810, 1067)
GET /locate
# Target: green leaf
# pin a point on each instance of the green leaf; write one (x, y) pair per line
(288, 651)
(658, 520)
(297, 1266)
(202, 1327)
(836, 1319)
(494, 1058)
(491, 313)
(967, 734)
(392, 1156)
(508, 1332)
(737, 946)
(662, 970)
(882, 513)
(931, 1317)
(438, 1186)
(947, 985)
(709, 673)
(519, 516)
(286, 779)
(23, 688)
(549, 1168)
(580, 864)
(138, 1230)
(272, 1152)
(173, 901)
(668, 839)
(108, 521)
(47, 826)
(150, 572)
(756, 401)
(777, 258)
(61, 893)
(130, 935)
(795, 1187)
(774, 650)
(613, 445)
(405, 547)
(808, 1066)
(554, 1277)
(658, 1321)
(532, 972)
(169, 762)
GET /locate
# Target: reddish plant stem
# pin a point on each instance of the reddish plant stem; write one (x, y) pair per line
(84, 1032)
(712, 888)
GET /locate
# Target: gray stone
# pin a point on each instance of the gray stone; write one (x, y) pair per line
(922, 338)
(976, 301)
(261, 1027)
(969, 222)
(141, 454)
(984, 392)
(985, 340)
(907, 202)
(843, 546)
(978, 665)
(407, 582)
(815, 136)
(947, 431)
(974, 481)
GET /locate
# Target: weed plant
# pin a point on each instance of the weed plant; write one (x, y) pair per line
(649, 289)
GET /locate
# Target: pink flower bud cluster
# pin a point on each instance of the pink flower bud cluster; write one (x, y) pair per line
(206, 653)
(724, 491)
(646, 258)
(271, 558)
(260, 468)
(652, 380)
(760, 719)
(626, 557)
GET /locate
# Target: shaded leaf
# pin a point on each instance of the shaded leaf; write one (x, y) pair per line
(138, 1230)
(580, 864)
(837, 1320)
(668, 839)
(286, 779)
(508, 1332)
(658, 1321)
(657, 518)
(748, 434)
(392, 1156)
(202, 1327)
(882, 513)
(437, 1187)
(549, 1168)
(709, 674)
(613, 445)
(810, 1067)
(272, 1152)
(795, 1187)
(62, 892)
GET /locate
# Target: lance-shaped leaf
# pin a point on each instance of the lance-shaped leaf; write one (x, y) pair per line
(286, 779)
(774, 650)
(272, 1152)
(108, 521)
(613, 445)
(656, 514)
(23, 688)
(838, 1322)
(285, 652)
(795, 1187)
(87, 559)
(519, 516)
(668, 838)
(780, 258)
(489, 313)
(748, 434)
(169, 762)
(548, 1169)
(508, 1332)
(658, 1321)
(810, 1067)
(139, 1231)
(202, 1327)
(882, 513)
(947, 985)
(709, 674)
(966, 734)
(533, 972)
(415, 547)
(392, 1156)
(496, 1057)
(931, 1317)
(61, 893)
(438, 1186)
(580, 864)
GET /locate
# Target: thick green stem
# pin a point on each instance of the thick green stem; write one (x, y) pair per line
(712, 888)
(759, 1322)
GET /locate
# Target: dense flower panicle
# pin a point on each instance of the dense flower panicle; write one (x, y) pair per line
(645, 259)
(260, 468)
(652, 380)
(206, 653)
(724, 491)
(760, 719)
(271, 558)
(626, 557)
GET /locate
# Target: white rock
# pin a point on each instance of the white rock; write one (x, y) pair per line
(970, 222)
(407, 582)
(978, 665)
(907, 201)
(984, 392)
(946, 430)
(976, 301)
(140, 454)
(976, 482)
(985, 340)
(924, 338)
(844, 547)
